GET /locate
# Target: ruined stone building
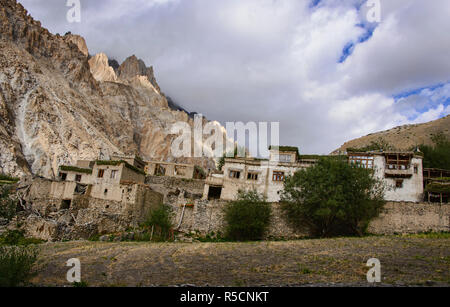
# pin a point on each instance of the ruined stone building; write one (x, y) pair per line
(177, 170)
(93, 197)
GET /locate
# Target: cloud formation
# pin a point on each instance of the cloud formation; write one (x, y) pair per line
(318, 67)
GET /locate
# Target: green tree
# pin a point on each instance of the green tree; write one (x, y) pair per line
(333, 198)
(438, 155)
(247, 218)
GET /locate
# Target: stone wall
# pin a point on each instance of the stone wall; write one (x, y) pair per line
(399, 217)
(404, 217)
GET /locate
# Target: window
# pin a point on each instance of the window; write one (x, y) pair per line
(106, 192)
(235, 174)
(252, 176)
(63, 176)
(416, 169)
(114, 174)
(362, 161)
(278, 176)
(101, 173)
(399, 184)
(78, 178)
(285, 158)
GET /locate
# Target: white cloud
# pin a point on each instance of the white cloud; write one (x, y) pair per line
(270, 60)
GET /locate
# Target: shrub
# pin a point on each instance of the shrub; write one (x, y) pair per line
(16, 263)
(8, 206)
(333, 198)
(17, 237)
(160, 220)
(247, 218)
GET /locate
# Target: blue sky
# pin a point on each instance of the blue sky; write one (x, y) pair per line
(317, 67)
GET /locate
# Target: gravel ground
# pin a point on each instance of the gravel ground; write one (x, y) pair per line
(405, 261)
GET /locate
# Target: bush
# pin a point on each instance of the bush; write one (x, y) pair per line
(8, 206)
(17, 237)
(16, 264)
(247, 218)
(160, 220)
(333, 198)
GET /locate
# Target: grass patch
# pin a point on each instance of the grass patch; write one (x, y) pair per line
(431, 235)
(16, 263)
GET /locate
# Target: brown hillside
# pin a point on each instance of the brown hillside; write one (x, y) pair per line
(403, 137)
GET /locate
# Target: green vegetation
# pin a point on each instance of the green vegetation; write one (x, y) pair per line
(7, 179)
(8, 206)
(16, 263)
(438, 187)
(17, 237)
(76, 169)
(378, 145)
(247, 218)
(431, 235)
(158, 224)
(333, 198)
(438, 155)
(200, 170)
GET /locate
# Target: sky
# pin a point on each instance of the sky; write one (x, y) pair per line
(321, 68)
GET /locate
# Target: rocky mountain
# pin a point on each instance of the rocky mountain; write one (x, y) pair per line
(58, 106)
(403, 137)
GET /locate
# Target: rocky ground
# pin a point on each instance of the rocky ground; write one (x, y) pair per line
(405, 261)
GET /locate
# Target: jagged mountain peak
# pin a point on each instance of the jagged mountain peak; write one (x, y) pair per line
(54, 110)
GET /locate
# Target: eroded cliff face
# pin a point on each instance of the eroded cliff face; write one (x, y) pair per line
(56, 106)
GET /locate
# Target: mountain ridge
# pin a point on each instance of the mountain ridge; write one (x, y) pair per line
(403, 137)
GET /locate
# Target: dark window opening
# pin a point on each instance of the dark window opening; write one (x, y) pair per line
(160, 170)
(63, 176)
(101, 173)
(65, 204)
(399, 184)
(235, 174)
(214, 193)
(252, 176)
(78, 178)
(106, 191)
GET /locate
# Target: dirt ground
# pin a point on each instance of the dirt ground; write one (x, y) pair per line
(405, 261)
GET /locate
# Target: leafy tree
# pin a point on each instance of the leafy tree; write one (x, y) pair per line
(333, 198)
(437, 156)
(247, 218)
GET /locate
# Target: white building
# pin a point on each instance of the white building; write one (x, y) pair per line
(264, 176)
(402, 173)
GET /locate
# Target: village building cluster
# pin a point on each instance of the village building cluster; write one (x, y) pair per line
(402, 172)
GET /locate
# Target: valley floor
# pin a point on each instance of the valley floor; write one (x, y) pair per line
(405, 261)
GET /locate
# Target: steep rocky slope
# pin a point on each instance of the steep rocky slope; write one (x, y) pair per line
(404, 137)
(56, 108)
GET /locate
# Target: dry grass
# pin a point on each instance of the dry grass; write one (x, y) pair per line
(412, 260)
